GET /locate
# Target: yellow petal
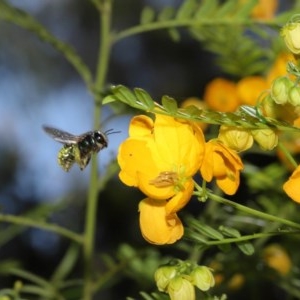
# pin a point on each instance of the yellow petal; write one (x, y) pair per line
(156, 227)
(180, 199)
(178, 143)
(224, 164)
(133, 155)
(291, 187)
(229, 184)
(207, 165)
(140, 126)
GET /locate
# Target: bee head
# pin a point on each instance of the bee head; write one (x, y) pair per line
(101, 139)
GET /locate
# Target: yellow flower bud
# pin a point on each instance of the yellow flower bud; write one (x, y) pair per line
(291, 35)
(294, 95)
(280, 88)
(267, 106)
(266, 138)
(180, 288)
(163, 276)
(202, 278)
(235, 138)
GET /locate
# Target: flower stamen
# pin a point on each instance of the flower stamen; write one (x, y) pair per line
(165, 179)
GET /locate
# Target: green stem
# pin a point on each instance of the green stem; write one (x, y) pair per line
(251, 211)
(92, 202)
(180, 23)
(250, 237)
(287, 155)
(42, 225)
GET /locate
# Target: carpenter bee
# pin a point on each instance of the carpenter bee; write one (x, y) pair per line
(78, 148)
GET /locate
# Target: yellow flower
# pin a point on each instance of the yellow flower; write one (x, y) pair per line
(160, 157)
(291, 187)
(264, 9)
(221, 95)
(249, 89)
(222, 163)
(277, 258)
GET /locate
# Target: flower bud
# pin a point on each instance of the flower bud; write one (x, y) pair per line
(267, 106)
(180, 288)
(266, 138)
(235, 138)
(163, 276)
(291, 35)
(203, 278)
(280, 88)
(294, 95)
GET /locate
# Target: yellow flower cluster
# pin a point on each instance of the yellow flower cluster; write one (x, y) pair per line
(226, 95)
(160, 157)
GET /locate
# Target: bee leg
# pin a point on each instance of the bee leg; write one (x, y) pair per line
(65, 157)
(84, 162)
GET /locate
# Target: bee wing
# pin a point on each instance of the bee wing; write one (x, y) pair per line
(61, 136)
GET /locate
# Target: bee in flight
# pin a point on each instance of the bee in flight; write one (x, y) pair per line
(78, 148)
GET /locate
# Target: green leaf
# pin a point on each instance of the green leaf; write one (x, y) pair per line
(144, 98)
(174, 34)
(187, 9)
(207, 8)
(67, 263)
(166, 14)
(226, 8)
(206, 230)
(230, 232)
(147, 15)
(125, 95)
(195, 236)
(246, 247)
(109, 99)
(169, 104)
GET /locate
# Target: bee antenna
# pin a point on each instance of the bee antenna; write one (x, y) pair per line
(111, 131)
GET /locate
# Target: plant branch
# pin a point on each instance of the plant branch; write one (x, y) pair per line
(41, 225)
(92, 203)
(175, 23)
(252, 211)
